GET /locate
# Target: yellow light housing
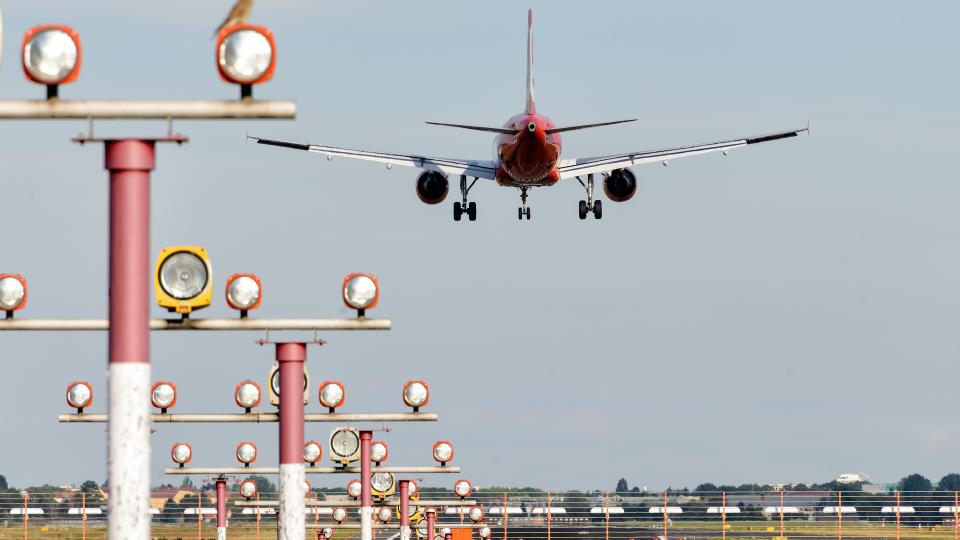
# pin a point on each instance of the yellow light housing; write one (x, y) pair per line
(183, 279)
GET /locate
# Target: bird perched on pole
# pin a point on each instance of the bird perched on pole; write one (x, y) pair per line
(239, 14)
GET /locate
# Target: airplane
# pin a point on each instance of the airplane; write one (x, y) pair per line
(527, 151)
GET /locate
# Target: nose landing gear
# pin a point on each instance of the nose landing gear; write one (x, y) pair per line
(470, 209)
(524, 210)
(589, 205)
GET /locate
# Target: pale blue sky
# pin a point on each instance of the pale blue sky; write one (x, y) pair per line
(787, 313)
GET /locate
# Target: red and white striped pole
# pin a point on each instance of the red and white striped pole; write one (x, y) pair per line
(431, 523)
(404, 510)
(128, 433)
(366, 498)
(292, 521)
(222, 508)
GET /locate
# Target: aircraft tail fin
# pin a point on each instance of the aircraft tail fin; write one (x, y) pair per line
(530, 107)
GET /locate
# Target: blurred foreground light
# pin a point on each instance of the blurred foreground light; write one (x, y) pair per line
(327, 532)
(332, 394)
(354, 489)
(442, 452)
(181, 453)
(378, 452)
(361, 292)
(13, 293)
(246, 55)
(51, 56)
(312, 452)
(462, 488)
(247, 395)
(248, 489)
(246, 453)
(79, 395)
(484, 532)
(182, 279)
(163, 395)
(476, 514)
(384, 514)
(416, 394)
(244, 292)
(421, 528)
(445, 531)
(339, 514)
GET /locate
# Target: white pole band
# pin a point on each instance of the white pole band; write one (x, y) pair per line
(128, 467)
(293, 505)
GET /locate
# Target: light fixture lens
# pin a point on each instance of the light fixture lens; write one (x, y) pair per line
(331, 394)
(422, 528)
(328, 532)
(248, 488)
(248, 394)
(79, 395)
(345, 443)
(378, 451)
(442, 451)
(484, 532)
(50, 56)
(476, 514)
(445, 531)
(181, 453)
(354, 489)
(243, 292)
(245, 55)
(416, 393)
(12, 293)
(246, 452)
(312, 452)
(381, 481)
(462, 488)
(384, 514)
(183, 275)
(360, 291)
(163, 395)
(339, 514)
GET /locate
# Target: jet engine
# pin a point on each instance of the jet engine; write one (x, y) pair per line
(432, 187)
(620, 185)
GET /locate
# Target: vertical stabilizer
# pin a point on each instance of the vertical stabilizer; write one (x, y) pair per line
(530, 106)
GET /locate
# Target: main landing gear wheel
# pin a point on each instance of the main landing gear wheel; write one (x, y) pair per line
(589, 205)
(464, 207)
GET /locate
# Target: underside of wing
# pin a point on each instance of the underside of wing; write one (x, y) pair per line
(582, 166)
(475, 168)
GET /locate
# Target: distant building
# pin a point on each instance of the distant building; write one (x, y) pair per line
(852, 478)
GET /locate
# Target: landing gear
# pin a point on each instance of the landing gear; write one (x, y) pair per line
(524, 210)
(590, 205)
(470, 210)
(460, 208)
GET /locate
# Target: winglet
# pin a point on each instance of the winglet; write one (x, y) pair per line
(530, 107)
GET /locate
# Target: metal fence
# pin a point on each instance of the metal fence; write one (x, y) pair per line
(529, 515)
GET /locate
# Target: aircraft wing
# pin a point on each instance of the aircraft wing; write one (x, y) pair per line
(576, 167)
(475, 168)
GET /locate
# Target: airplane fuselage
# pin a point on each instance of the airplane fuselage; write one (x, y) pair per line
(529, 157)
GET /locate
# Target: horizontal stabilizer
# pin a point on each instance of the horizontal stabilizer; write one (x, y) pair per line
(585, 126)
(507, 131)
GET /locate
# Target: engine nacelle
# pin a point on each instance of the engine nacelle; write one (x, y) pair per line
(620, 185)
(432, 187)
